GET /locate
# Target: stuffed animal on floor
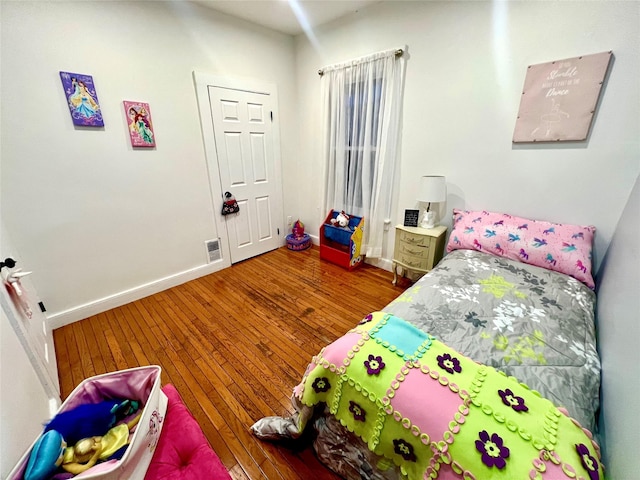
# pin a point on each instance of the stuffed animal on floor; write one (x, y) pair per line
(342, 220)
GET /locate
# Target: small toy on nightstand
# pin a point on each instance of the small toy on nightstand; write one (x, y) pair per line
(298, 240)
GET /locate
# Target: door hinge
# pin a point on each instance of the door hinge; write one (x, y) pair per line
(271, 115)
(278, 231)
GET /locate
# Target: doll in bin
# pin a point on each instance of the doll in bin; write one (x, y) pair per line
(77, 439)
(86, 453)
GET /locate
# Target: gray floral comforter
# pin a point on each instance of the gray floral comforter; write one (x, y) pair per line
(534, 324)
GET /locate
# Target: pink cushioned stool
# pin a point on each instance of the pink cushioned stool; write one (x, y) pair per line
(183, 451)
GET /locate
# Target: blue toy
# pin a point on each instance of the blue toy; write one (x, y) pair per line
(90, 420)
(46, 456)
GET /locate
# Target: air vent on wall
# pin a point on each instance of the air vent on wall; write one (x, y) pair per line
(213, 250)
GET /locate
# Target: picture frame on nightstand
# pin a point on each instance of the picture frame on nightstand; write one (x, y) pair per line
(411, 218)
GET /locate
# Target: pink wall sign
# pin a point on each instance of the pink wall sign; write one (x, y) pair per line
(559, 99)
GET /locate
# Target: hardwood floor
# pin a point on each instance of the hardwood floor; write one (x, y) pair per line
(234, 344)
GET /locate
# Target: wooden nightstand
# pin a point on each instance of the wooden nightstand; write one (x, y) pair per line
(417, 249)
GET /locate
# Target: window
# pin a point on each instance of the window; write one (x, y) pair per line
(362, 102)
(362, 140)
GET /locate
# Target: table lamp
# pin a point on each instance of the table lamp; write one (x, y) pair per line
(432, 190)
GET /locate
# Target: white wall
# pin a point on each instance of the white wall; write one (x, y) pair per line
(93, 217)
(465, 71)
(618, 334)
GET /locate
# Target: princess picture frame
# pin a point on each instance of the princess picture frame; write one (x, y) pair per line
(138, 116)
(82, 99)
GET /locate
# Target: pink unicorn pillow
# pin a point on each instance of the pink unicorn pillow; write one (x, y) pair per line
(554, 246)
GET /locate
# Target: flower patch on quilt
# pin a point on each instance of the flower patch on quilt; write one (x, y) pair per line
(559, 247)
(437, 414)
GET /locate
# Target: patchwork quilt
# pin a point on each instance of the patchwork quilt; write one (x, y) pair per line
(437, 414)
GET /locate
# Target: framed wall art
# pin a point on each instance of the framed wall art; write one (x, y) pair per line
(559, 99)
(140, 125)
(82, 99)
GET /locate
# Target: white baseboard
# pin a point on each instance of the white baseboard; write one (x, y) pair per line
(383, 263)
(60, 319)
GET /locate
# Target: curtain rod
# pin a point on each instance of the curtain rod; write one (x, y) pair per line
(399, 52)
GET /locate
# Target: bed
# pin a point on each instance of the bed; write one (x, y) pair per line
(485, 368)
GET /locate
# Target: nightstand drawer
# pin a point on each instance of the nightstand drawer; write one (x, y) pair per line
(414, 239)
(412, 249)
(414, 261)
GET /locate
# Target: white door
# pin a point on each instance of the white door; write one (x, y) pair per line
(246, 148)
(24, 403)
(20, 303)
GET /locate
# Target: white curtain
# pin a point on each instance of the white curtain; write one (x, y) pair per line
(362, 107)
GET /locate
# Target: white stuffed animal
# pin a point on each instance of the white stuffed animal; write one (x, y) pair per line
(342, 220)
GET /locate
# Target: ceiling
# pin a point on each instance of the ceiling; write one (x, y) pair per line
(287, 16)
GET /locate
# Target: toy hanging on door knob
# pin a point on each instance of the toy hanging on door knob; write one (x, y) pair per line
(229, 205)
